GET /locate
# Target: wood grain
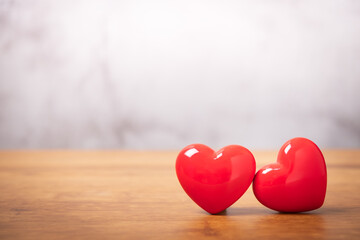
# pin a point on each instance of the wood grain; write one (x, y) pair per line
(136, 195)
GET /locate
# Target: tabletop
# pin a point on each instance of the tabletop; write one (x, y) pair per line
(136, 195)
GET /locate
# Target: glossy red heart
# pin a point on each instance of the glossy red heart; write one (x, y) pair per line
(297, 182)
(215, 180)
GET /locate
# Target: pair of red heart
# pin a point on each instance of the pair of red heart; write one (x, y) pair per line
(216, 180)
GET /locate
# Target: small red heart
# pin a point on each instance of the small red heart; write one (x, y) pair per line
(215, 180)
(297, 182)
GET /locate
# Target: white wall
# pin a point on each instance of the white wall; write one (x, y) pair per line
(164, 74)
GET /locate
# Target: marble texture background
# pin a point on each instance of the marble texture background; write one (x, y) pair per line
(164, 74)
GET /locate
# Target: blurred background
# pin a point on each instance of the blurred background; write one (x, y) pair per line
(164, 74)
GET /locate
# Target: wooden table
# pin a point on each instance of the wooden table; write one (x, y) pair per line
(136, 195)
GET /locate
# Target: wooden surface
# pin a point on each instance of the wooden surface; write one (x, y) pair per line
(136, 195)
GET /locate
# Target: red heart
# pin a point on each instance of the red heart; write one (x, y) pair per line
(297, 182)
(215, 180)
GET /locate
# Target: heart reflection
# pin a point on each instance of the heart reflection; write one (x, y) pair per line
(287, 225)
(253, 223)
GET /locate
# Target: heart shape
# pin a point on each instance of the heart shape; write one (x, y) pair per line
(297, 182)
(215, 180)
